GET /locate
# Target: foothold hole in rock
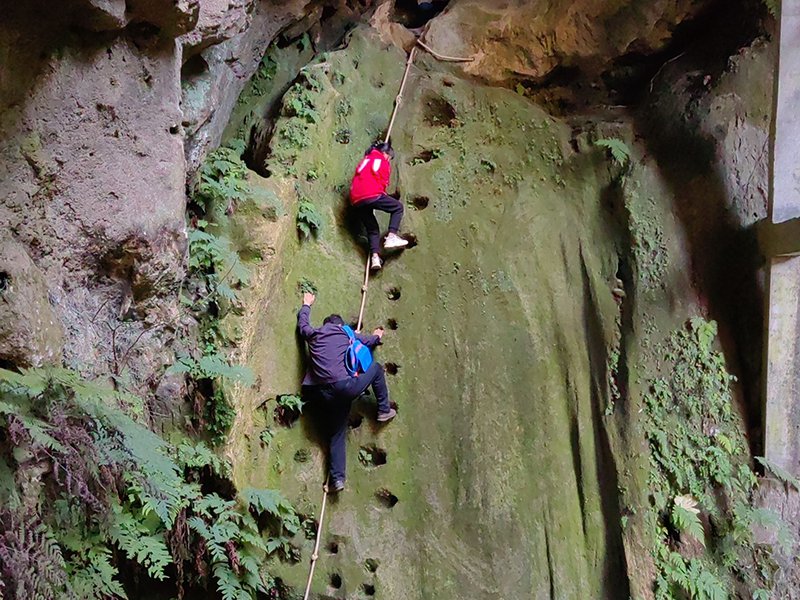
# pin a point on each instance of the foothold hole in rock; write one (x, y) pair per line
(288, 409)
(336, 580)
(5, 281)
(439, 112)
(420, 202)
(372, 456)
(392, 324)
(387, 498)
(302, 455)
(371, 564)
(410, 238)
(333, 547)
(393, 293)
(425, 156)
(355, 421)
(368, 589)
(391, 368)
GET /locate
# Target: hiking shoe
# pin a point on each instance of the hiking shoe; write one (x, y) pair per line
(387, 416)
(394, 241)
(336, 486)
(375, 263)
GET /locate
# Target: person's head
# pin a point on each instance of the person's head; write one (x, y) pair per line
(333, 319)
(384, 147)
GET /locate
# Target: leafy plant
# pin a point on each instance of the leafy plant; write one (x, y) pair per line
(213, 366)
(212, 259)
(685, 518)
(290, 402)
(308, 218)
(289, 408)
(619, 151)
(782, 474)
(266, 436)
(698, 455)
(774, 7)
(223, 178)
(132, 491)
(306, 286)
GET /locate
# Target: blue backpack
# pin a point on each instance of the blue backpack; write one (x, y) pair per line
(358, 357)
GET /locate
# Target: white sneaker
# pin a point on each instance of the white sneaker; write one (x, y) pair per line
(375, 263)
(394, 241)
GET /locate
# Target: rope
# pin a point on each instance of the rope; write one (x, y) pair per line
(315, 555)
(399, 98)
(444, 57)
(363, 296)
(397, 102)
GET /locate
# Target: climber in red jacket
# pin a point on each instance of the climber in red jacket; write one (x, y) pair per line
(368, 193)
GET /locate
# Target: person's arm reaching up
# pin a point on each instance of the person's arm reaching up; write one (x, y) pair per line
(370, 341)
(303, 324)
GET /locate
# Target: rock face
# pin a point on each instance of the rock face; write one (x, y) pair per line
(94, 132)
(93, 171)
(562, 42)
(521, 330)
(30, 332)
(498, 464)
(214, 78)
(517, 327)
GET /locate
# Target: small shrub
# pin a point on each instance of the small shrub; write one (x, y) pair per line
(308, 218)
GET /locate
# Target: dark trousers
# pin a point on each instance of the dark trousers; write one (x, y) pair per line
(337, 399)
(387, 204)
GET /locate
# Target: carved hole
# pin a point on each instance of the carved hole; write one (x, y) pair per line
(368, 589)
(386, 498)
(439, 111)
(393, 293)
(336, 580)
(420, 202)
(371, 564)
(372, 456)
(392, 324)
(391, 368)
(410, 238)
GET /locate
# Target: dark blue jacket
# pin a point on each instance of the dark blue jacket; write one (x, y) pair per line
(327, 347)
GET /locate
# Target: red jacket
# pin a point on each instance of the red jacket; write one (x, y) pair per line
(371, 177)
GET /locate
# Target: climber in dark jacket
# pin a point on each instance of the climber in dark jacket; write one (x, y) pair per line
(327, 378)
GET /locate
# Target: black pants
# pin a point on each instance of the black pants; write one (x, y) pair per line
(337, 399)
(387, 204)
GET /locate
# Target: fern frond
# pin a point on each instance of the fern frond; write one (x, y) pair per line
(782, 474)
(618, 149)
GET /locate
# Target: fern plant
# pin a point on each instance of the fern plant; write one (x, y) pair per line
(685, 518)
(619, 151)
(153, 493)
(212, 259)
(698, 456)
(309, 220)
(223, 178)
(212, 366)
